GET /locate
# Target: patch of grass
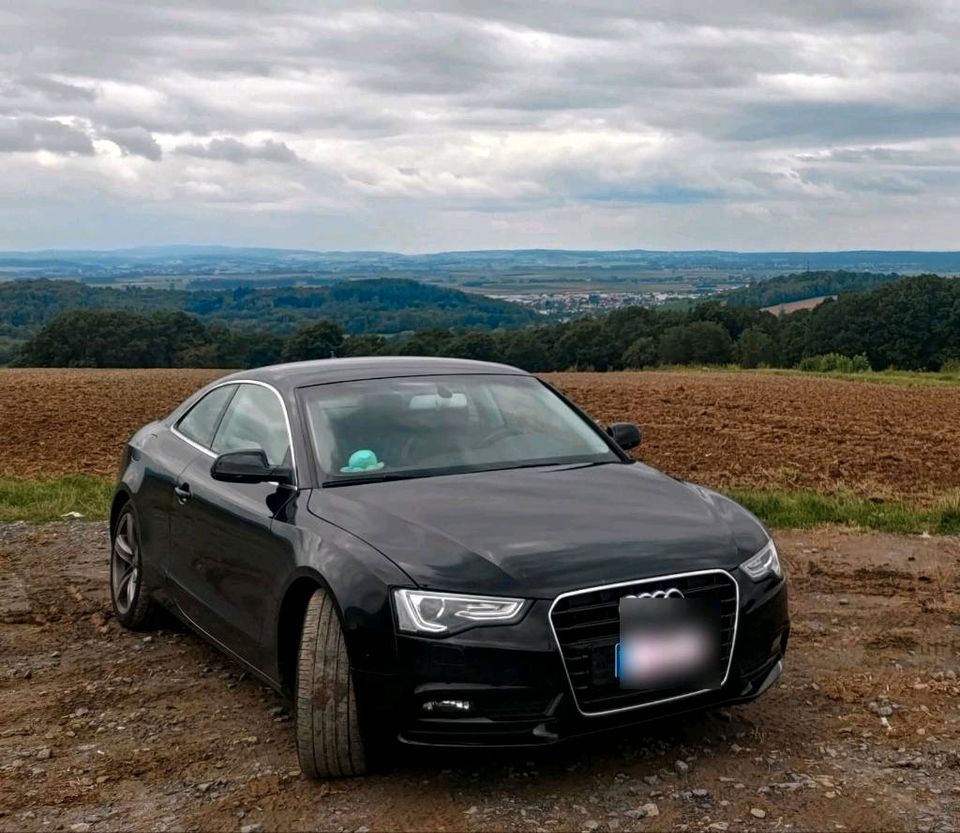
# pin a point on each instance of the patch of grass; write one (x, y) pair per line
(50, 498)
(881, 377)
(948, 377)
(799, 509)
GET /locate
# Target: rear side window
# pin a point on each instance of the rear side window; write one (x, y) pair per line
(201, 420)
(254, 419)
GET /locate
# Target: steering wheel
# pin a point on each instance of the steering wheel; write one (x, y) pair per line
(496, 435)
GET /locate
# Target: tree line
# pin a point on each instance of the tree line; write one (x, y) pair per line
(799, 286)
(382, 305)
(911, 324)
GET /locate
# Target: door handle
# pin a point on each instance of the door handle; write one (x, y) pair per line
(182, 493)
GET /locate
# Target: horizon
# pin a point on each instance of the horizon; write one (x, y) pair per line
(427, 253)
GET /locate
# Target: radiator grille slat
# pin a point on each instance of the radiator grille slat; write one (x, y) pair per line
(587, 622)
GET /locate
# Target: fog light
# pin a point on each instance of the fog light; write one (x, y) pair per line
(448, 706)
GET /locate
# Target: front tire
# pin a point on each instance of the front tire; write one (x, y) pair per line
(132, 604)
(329, 743)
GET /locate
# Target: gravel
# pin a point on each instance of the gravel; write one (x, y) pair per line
(104, 729)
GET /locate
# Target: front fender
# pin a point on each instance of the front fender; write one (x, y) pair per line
(358, 577)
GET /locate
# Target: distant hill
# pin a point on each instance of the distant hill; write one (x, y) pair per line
(786, 289)
(238, 263)
(363, 306)
(909, 324)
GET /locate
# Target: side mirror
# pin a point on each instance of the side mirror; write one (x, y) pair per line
(250, 466)
(625, 434)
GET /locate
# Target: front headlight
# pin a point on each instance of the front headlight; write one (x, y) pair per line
(764, 563)
(420, 611)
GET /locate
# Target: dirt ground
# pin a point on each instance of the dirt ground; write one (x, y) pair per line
(104, 729)
(719, 429)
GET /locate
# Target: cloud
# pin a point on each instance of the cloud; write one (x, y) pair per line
(52, 89)
(844, 122)
(135, 141)
(232, 150)
(27, 135)
(434, 124)
(931, 155)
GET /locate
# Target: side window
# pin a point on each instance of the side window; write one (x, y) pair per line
(201, 420)
(254, 419)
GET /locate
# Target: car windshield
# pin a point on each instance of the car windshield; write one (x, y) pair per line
(431, 425)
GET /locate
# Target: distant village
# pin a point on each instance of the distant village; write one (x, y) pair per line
(573, 304)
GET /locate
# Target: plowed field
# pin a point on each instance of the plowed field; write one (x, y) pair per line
(68, 421)
(720, 429)
(764, 430)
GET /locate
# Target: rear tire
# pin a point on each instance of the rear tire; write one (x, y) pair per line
(132, 604)
(329, 743)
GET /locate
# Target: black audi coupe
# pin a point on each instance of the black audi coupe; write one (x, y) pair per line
(440, 552)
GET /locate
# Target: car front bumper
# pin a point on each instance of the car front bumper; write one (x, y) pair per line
(518, 693)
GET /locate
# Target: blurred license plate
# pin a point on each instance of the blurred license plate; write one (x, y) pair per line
(668, 643)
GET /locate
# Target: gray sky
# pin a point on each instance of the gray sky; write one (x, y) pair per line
(419, 125)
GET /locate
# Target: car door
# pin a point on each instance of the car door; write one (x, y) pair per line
(224, 553)
(171, 451)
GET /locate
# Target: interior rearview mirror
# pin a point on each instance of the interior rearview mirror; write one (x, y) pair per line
(249, 466)
(624, 434)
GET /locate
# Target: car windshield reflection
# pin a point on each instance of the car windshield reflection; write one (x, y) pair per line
(391, 429)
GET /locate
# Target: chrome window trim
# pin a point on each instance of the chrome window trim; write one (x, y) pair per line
(283, 407)
(733, 643)
(182, 410)
(194, 443)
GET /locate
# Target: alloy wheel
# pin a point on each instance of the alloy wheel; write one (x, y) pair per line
(125, 564)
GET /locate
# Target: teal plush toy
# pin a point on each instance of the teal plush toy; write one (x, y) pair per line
(362, 460)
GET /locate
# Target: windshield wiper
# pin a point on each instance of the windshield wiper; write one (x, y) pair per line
(386, 477)
(593, 463)
(401, 475)
(541, 465)
(371, 478)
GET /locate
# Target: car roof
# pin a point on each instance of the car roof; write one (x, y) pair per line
(287, 377)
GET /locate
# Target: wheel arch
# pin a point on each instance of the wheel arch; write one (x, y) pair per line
(358, 579)
(120, 500)
(290, 617)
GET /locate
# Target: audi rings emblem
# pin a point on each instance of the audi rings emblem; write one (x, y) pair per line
(671, 593)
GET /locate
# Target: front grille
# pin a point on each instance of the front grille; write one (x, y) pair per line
(587, 627)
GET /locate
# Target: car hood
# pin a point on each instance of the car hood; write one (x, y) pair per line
(539, 532)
